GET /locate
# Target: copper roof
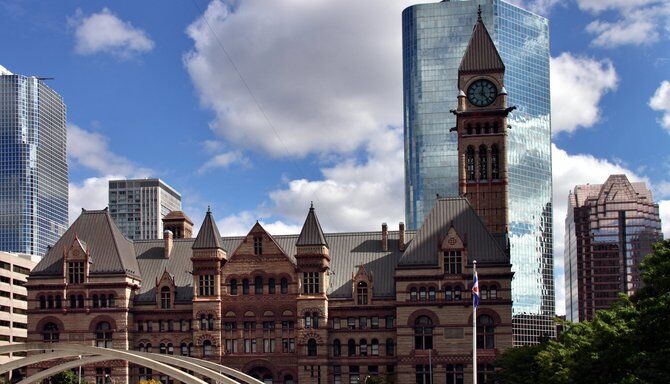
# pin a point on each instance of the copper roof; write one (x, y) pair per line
(481, 54)
(177, 215)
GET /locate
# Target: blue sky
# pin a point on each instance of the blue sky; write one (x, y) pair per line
(151, 91)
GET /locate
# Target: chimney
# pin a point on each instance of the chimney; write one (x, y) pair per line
(385, 237)
(401, 236)
(167, 243)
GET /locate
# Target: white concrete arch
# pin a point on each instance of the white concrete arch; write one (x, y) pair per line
(15, 364)
(202, 367)
(109, 354)
(39, 376)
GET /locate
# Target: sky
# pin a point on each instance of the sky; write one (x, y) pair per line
(256, 108)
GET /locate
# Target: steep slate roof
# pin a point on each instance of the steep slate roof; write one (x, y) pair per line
(456, 211)
(481, 53)
(110, 251)
(347, 252)
(311, 233)
(209, 236)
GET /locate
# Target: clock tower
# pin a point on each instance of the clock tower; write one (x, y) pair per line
(481, 125)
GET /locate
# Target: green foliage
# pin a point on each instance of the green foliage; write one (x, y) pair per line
(627, 344)
(150, 381)
(66, 377)
(375, 380)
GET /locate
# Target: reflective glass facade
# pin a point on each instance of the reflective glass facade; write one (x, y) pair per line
(434, 40)
(33, 165)
(609, 228)
(138, 206)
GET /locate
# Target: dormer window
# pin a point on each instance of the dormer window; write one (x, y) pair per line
(258, 245)
(166, 301)
(362, 293)
(453, 262)
(75, 272)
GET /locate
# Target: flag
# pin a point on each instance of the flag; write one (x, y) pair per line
(475, 291)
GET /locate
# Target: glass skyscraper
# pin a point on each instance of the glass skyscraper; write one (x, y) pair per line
(435, 36)
(33, 165)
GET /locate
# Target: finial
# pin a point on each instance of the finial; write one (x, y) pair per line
(479, 13)
(311, 205)
(209, 209)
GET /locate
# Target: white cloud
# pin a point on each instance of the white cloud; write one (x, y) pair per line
(224, 160)
(577, 85)
(91, 150)
(660, 101)
(664, 208)
(541, 7)
(346, 93)
(4, 71)
(240, 224)
(634, 22)
(104, 32)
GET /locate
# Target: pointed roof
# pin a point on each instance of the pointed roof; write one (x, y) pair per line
(110, 251)
(209, 236)
(481, 53)
(311, 233)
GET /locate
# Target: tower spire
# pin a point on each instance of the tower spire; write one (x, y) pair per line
(479, 13)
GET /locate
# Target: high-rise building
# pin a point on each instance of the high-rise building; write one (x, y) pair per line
(14, 270)
(33, 165)
(609, 228)
(138, 206)
(435, 36)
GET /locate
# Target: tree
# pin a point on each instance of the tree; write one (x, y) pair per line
(629, 343)
(149, 381)
(66, 377)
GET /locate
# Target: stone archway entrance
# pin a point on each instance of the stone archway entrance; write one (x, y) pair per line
(262, 373)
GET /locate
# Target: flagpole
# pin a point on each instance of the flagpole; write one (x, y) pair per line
(474, 325)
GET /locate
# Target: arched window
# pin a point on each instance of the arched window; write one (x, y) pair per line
(315, 319)
(422, 294)
(170, 349)
(110, 300)
(485, 332)
(148, 347)
(96, 303)
(423, 333)
(487, 128)
(284, 285)
(390, 347)
(469, 129)
(363, 347)
(258, 285)
(362, 292)
(470, 163)
(73, 301)
(483, 163)
(141, 347)
(478, 128)
(103, 301)
(165, 298)
(183, 349)
(103, 335)
(203, 322)
(210, 322)
(311, 347)
(43, 302)
(337, 348)
(495, 162)
(245, 286)
(495, 127)
(50, 333)
(374, 347)
(412, 294)
(484, 292)
(80, 301)
(233, 287)
(457, 293)
(50, 302)
(271, 286)
(493, 292)
(207, 348)
(162, 349)
(351, 347)
(191, 349)
(59, 303)
(288, 379)
(448, 293)
(431, 294)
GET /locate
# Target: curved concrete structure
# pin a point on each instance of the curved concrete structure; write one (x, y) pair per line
(106, 354)
(208, 369)
(15, 364)
(38, 377)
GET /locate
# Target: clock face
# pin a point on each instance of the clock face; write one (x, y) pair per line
(482, 93)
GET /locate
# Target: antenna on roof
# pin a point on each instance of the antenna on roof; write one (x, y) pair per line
(479, 13)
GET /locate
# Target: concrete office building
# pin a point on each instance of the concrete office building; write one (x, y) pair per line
(14, 270)
(139, 206)
(435, 36)
(34, 176)
(609, 228)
